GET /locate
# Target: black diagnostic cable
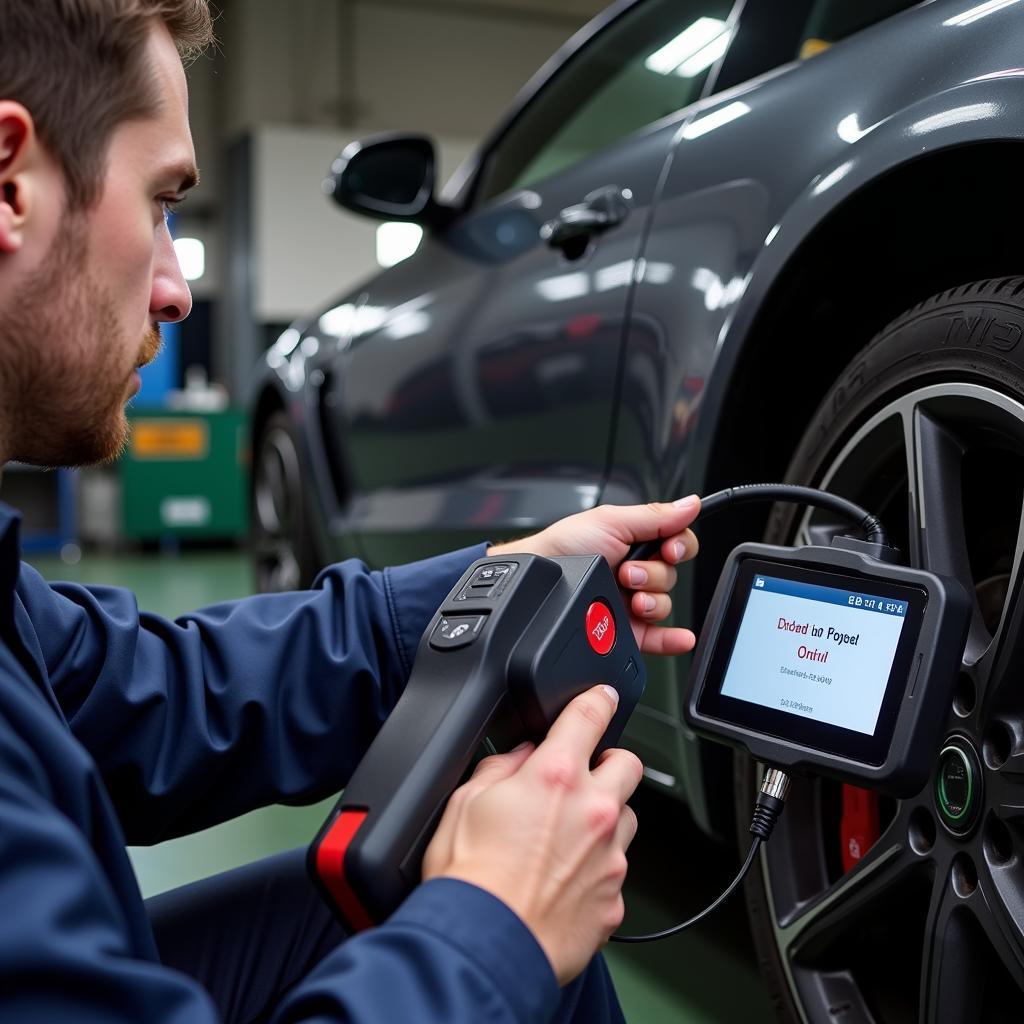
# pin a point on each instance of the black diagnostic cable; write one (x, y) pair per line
(775, 786)
(866, 521)
(770, 802)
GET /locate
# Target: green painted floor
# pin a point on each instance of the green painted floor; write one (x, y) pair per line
(706, 976)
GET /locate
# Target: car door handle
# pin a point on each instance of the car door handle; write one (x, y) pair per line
(600, 210)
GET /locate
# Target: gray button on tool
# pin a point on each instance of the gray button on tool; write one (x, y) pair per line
(487, 582)
(456, 631)
(488, 575)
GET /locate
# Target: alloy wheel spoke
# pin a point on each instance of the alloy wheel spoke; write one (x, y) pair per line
(950, 957)
(938, 536)
(277, 483)
(1001, 667)
(970, 940)
(811, 927)
(1005, 785)
(269, 484)
(1000, 912)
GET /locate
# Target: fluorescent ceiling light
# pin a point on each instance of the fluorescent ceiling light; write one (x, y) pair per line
(658, 273)
(716, 294)
(705, 57)
(708, 123)
(688, 44)
(279, 352)
(833, 177)
(564, 286)
(953, 117)
(408, 324)
(397, 241)
(617, 275)
(849, 129)
(981, 11)
(338, 321)
(191, 254)
(288, 341)
(368, 319)
(1005, 73)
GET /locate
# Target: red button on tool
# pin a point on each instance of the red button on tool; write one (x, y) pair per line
(600, 627)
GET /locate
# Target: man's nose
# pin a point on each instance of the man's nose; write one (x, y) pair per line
(170, 300)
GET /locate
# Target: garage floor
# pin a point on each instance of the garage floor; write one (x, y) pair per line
(707, 976)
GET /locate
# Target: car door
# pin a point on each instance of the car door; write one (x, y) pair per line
(478, 398)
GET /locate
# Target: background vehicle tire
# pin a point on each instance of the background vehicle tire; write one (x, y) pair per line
(284, 554)
(926, 428)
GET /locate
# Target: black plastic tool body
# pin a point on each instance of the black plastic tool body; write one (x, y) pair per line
(508, 649)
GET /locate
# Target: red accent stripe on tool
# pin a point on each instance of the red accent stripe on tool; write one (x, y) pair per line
(330, 866)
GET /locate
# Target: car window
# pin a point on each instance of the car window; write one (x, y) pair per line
(645, 65)
(832, 20)
(771, 33)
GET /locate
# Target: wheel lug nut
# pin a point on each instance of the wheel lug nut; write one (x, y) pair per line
(963, 875)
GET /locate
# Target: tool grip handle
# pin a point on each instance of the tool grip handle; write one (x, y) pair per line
(367, 858)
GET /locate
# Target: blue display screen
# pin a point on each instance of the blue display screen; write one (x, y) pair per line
(822, 653)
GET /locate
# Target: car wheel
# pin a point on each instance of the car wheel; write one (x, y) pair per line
(283, 554)
(874, 910)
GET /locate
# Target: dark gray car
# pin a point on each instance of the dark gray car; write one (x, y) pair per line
(715, 243)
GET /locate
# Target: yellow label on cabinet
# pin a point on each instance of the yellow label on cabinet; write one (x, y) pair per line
(170, 439)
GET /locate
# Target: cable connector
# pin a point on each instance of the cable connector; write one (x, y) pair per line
(770, 802)
(880, 552)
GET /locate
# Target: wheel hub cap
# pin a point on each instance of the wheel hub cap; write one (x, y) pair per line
(958, 786)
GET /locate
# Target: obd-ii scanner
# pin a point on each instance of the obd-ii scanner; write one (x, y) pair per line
(830, 660)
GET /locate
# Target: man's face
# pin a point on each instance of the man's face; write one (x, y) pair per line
(82, 321)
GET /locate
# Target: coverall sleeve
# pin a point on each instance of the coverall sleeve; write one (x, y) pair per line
(451, 954)
(65, 954)
(270, 699)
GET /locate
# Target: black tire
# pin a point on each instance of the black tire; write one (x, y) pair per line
(283, 550)
(927, 926)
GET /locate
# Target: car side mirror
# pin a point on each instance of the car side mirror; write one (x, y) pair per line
(388, 177)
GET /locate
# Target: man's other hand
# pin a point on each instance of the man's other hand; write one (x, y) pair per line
(546, 835)
(611, 530)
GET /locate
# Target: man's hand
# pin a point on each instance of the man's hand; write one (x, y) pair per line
(611, 530)
(546, 835)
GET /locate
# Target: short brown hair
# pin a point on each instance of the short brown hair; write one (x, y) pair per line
(79, 68)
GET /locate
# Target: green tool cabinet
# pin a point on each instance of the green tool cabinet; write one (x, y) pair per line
(185, 475)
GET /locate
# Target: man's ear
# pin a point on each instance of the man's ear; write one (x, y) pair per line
(18, 146)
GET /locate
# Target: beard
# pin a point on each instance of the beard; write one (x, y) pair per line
(65, 365)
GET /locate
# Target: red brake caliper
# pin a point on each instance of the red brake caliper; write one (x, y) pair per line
(858, 828)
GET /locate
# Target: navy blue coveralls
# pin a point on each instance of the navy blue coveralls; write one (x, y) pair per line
(117, 726)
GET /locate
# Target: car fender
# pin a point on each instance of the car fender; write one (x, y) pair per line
(985, 109)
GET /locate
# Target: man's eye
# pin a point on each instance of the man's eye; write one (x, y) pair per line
(170, 204)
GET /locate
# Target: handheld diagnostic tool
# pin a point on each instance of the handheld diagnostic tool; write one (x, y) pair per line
(831, 661)
(513, 643)
(834, 661)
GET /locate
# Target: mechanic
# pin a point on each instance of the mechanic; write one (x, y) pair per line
(117, 726)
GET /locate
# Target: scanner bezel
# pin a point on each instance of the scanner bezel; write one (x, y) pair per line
(900, 757)
(869, 749)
